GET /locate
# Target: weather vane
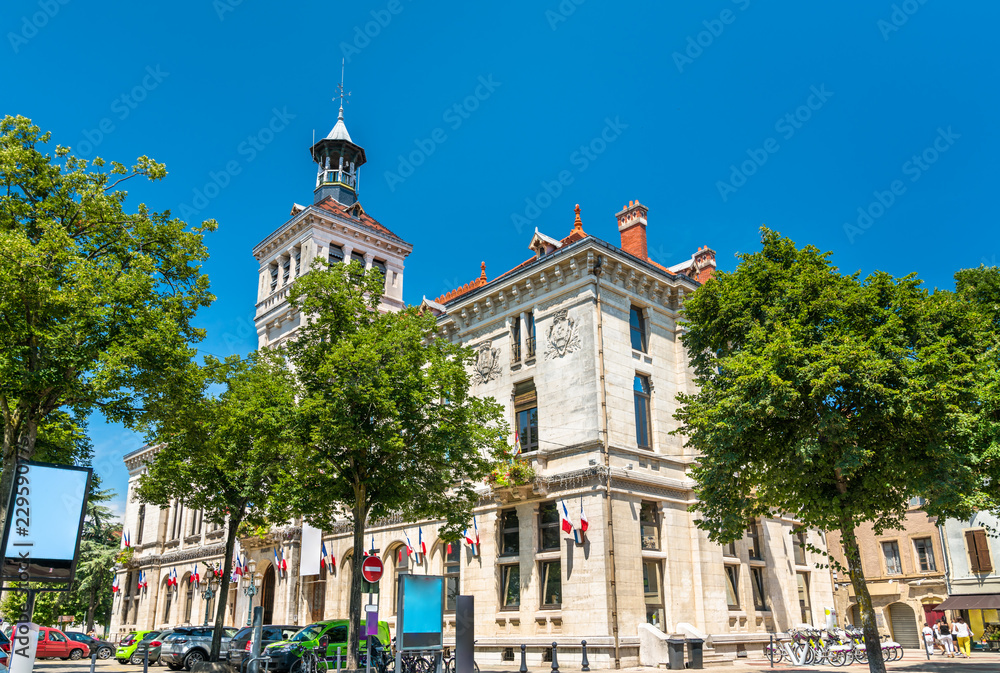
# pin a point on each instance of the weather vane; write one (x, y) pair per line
(340, 87)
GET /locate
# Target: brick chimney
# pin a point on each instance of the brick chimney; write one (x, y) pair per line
(632, 227)
(703, 264)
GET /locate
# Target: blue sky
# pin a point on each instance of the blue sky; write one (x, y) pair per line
(865, 128)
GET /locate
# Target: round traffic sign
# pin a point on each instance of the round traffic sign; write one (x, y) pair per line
(372, 568)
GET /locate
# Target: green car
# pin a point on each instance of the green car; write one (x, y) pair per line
(285, 656)
(128, 644)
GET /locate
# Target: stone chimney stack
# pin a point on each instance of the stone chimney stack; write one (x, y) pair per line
(632, 227)
(703, 266)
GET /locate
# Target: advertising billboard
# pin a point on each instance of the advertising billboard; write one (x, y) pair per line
(44, 521)
(420, 621)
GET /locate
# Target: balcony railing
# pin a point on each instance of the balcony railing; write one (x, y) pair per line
(515, 352)
(529, 344)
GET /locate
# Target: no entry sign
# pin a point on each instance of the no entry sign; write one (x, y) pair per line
(372, 568)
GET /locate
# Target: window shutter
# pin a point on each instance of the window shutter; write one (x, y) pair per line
(983, 552)
(970, 542)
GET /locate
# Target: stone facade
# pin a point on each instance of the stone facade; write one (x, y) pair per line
(581, 344)
(905, 573)
(973, 555)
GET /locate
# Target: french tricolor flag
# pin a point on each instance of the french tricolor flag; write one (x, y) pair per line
(128, 542)
(584, 524)
(277, 562)
(421, 544)
(284, 563)
(473, 543)
(567, 525)
(194, 577)
(114, 585)
(409, 547)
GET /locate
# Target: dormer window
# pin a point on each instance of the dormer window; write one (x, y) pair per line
(336, 255)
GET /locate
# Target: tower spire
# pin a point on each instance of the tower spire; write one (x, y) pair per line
(339, 158)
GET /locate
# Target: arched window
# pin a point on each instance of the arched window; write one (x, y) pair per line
(452, 552)
(168, 596)
(188, 602)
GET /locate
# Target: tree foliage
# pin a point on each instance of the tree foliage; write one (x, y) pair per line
(388, 425)
(96, 302)
(224, 453)
(830, 398)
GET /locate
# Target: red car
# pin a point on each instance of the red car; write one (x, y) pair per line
(54, 643)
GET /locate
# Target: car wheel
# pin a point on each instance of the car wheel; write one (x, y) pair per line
(76, 654)
(296, 667)
(193, 657)
(104, 653)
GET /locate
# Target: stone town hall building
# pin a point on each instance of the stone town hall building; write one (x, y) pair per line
(580, 343)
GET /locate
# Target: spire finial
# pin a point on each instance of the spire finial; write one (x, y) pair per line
(340, 91)
(482, 269)
(578, 223)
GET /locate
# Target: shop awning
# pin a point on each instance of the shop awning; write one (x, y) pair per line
(971, 602)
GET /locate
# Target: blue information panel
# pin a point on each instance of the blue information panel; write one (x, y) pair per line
(421, 612)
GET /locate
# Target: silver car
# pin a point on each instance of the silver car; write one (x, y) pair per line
(189, 645)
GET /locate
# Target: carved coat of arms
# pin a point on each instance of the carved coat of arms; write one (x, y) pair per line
(487, 364)
(563, 336)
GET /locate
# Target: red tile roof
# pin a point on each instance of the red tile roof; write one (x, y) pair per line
(331, 206)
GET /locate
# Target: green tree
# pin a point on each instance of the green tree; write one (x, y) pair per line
(388, 424)
(828, 397)
(223, 453)
(96, 302)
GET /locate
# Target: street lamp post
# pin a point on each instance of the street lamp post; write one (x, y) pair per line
(250, 587)
(210, 586)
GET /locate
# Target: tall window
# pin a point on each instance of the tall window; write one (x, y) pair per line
(515, 339)
(733, 587)
(757, 580)
(548, 526)
(510, 538)
(640, 388)
(452, 572)
(142, 524)
(188, 603)
(274, 276)
(799, 547)
(359, 258)
(637, 328)
(510, 587)
(753, 538)
(652, 589)
(168, 599)
(286, 268)
(551, 575)
(804, 606)
(177, 525)
(979, 551)
(649, 525)
(526, 411)
(127, 598)
(893, 566)
(317, 592)
(925, 554)
(335, 255)
(529, 334)
(729, 549)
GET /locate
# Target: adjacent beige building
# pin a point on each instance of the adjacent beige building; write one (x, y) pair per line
(905, 572)
(581, 344)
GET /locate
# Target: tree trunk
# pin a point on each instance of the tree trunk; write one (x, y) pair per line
(92, 607)
(354, 613)
(227, 566)
(873, 643)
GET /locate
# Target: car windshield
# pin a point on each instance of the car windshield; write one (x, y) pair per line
(243, 633)
(310, 632)
(150, 636)
(127, 640)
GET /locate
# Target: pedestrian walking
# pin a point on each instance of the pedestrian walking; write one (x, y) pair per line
(928, 638)
(944, 633)
(963, 634)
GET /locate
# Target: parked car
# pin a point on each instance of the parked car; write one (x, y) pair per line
(189, 645)
(239, 646)
(128, 644)
(103, 648)
(331, 633)
(155, 648)
(53, 643)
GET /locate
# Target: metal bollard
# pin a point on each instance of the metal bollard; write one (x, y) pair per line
(93, 661)
(585, 663)
(555, 660)
(145, 661)
(771, 656)
(338, 659)
(524, 660)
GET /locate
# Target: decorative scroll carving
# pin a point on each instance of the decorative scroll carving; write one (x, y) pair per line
(487, 365)
(563, 336)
